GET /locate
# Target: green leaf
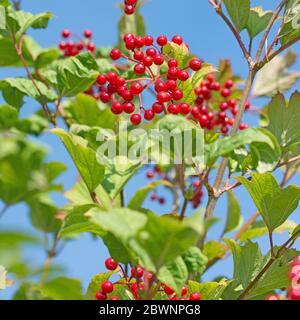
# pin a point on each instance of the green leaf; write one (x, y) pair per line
(208, 290)
(86, 111)
(234, 217)
(178, 52)
(8, 117)
(273, 203)
(34, 124)
(14, 90)
(258, 21)
(226, 145)
(73, 75)
(247, 261)
(239, 11)
(161, 240)
(45, 57)
(213, 250)
(138, 199)
(284, 119)
(85, 159)
(77, 221)
(174, 274)
(63, 288)
(275, 76)
(290, 27)
(195, 260)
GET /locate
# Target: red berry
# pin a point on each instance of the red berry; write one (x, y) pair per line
(153, 197)
(163, 96)
(215, 86)
(183, 75)
(120, 82)
(66, 33)
(184, 291)
(232, 103)
(272, 297)
(151, 52)
(234, 111)
(170, 85)
(129, 9)
(130, 2)
(210, 78)
(115, 54)
(88, 33)
(138, 55)
(184, 108)
(117, 108)
(111, 264)
(203, 121)
(128, 107)
(114, 298)
(139, 68)
(148, 61)
(127, 95)
(128, 36)
(168, 290)
(149, 115)
(223, 106)
(62, 45)
(228, 84)
(177, 94)
(173, 108)
(112, 77)
(130, 44)
(157, 107)
(158, 59)
(160, 86)
(172, 63)
(224, 130)
(243, 126)
(91, 47)
(173, 73)
(248, 105)
(195, 112)
(80, 46)
(100, 296)
(136, 119)
(195, 296)
(177, 39)
(139, 42)
(148, 40)
(294, 294)
(162, 40)
(105, 97)
(225, 93)
(107, 287)
(136, 88)
(137, 272)
(195, 64)
(161, 200)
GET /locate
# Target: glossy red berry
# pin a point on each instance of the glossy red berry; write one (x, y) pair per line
(184, 291)
(162, 40)
(149, 115)
(136, 88)
(91, 47)
(138, 55)
(105, 97)
(112, 77)
(163, 96)
(139, 68)
(114, 298)
(128, 107)
(184, 108)
(139, 41)
(158, 59)
(170, 85)
(183, 75)
(243, 126)
(100, 296)
(148, 61)
(160, 86)
(151, 52)
(127, 95)
(173, 108)
(137, 272)
(177, 94)
(66, 33)
(173, 73)
(148, 40)
(128, 36)
(157, 107)
(130, 2)
(136, 119)
(117, 108)
(107, 287)
(130, 44)
(111, 264)
(62, 45)
(195, 64)
(195, 296)
(172, 63)
(225, 93)
(168, 290)
(228, 84)
(177, 39)
(115, 54)
(88, 33)
(129, 9)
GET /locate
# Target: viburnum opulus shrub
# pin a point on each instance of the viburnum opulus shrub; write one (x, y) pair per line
(107, 106)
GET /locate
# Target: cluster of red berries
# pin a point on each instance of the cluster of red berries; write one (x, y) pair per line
(197, 194)
(72, 48)
(122, 93)
(214, 105)
(129, 6)
(293, 292)
(138, 282)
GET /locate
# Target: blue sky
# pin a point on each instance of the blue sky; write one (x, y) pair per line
(207, 36)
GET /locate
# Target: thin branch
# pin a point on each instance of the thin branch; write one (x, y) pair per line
(3, 210)
(268, 29)
(236, 34)
(184, 206)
